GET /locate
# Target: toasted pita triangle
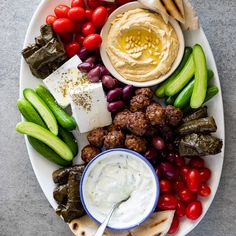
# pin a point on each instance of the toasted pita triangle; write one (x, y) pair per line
(180, 5)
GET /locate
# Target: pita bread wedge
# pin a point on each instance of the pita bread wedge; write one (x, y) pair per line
(173, 10)
(180, 5)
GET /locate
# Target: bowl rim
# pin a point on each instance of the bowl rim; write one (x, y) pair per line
(106, 59)
(142, 158)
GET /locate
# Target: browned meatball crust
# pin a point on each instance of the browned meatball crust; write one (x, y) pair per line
(173, 115)
(138, 123)
(96, 137)
(112, 127)
(139, 102)
(114, 139)
(144, 91)
(89, 152)
(135, 143)
(156, 114)
(121, 119)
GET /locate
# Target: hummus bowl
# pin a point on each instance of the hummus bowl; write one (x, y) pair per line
(121, 56)
(115, 175)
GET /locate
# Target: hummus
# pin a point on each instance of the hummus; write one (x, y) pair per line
(141, 46)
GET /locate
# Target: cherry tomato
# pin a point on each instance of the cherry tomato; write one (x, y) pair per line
(167, 202)
(179, 161)
(111, 8)
(174, 225)
(88, 28)
(158, 172)
(92, 4)
(121, 2)
(165, 186)
(205, 174)
(92, 41)
(50, 19)
(180, 209)
(72, 48)
(197, 163)
(76, 14)
(61, 11)
(177, 185)
(63, 25)
(77, 3)
(78, 26)
(194, 210)
(183, 172)
(204, 191)
(99, 16)
(193, 180)
(88, 14)
(66, 38)
(186, 195)
(79, 38)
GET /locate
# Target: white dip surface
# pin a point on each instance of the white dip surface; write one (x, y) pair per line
(112, 178)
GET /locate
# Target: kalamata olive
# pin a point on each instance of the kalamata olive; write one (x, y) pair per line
(170, 156)
(92, 59)
(150, 132)
(170, 146)
(104, 70)
(94, 75)
(114, 94)
(84, 53)
(158, 171)
(116, 106)
(128, 91)
(151, 153)
(169, 171)
(158, 143)
(86, 66)
(109, 82)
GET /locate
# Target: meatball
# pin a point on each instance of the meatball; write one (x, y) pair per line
(89, 152)
(144, 91)
(114, 139)
(138, 123)
(121, 119)
(96, 137)
(112, 127)
(139, 102)
(135, 143)
(156, 114)
(173, 115)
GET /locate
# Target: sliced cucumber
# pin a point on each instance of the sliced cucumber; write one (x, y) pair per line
(29, 113)
(181, 79)
(64, 119)
(170, 100)
(211, 92)
(42, 109)
(46, 137)
(200, 84)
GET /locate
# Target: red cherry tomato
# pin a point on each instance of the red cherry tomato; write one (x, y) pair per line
(111, 8)
(180, 209)
(50, 19)
(179, 161)
(79, 38)
(177, 185)
(197, 163)
(76, 14)
(158, 172)
(193, 180)
(121, 2)
(77, 3)
(78, 26)
(99, 16)
(63, 25)
(186, 195)
(174, 225)
(66, 38)
(92, 4)
(61, 11)
(205, 174)
(88, 28)
(183, 172)
(88, 14)
(167, 202)
(194, 210)
(165, 186)
(72, 48)
(204, 191)
(92, 41)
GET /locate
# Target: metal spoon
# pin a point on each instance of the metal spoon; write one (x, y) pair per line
(103, 226)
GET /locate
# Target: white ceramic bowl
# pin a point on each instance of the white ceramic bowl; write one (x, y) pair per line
(122, 155)
(106, 59)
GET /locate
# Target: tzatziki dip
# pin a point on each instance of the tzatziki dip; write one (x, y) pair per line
(112, 177)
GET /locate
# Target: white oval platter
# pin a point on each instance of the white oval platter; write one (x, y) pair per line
(43, 169)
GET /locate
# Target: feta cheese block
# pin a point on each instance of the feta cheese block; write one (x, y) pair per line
(65, 77)
(89, 107)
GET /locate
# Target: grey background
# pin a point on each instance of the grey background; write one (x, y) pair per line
(24, 209)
